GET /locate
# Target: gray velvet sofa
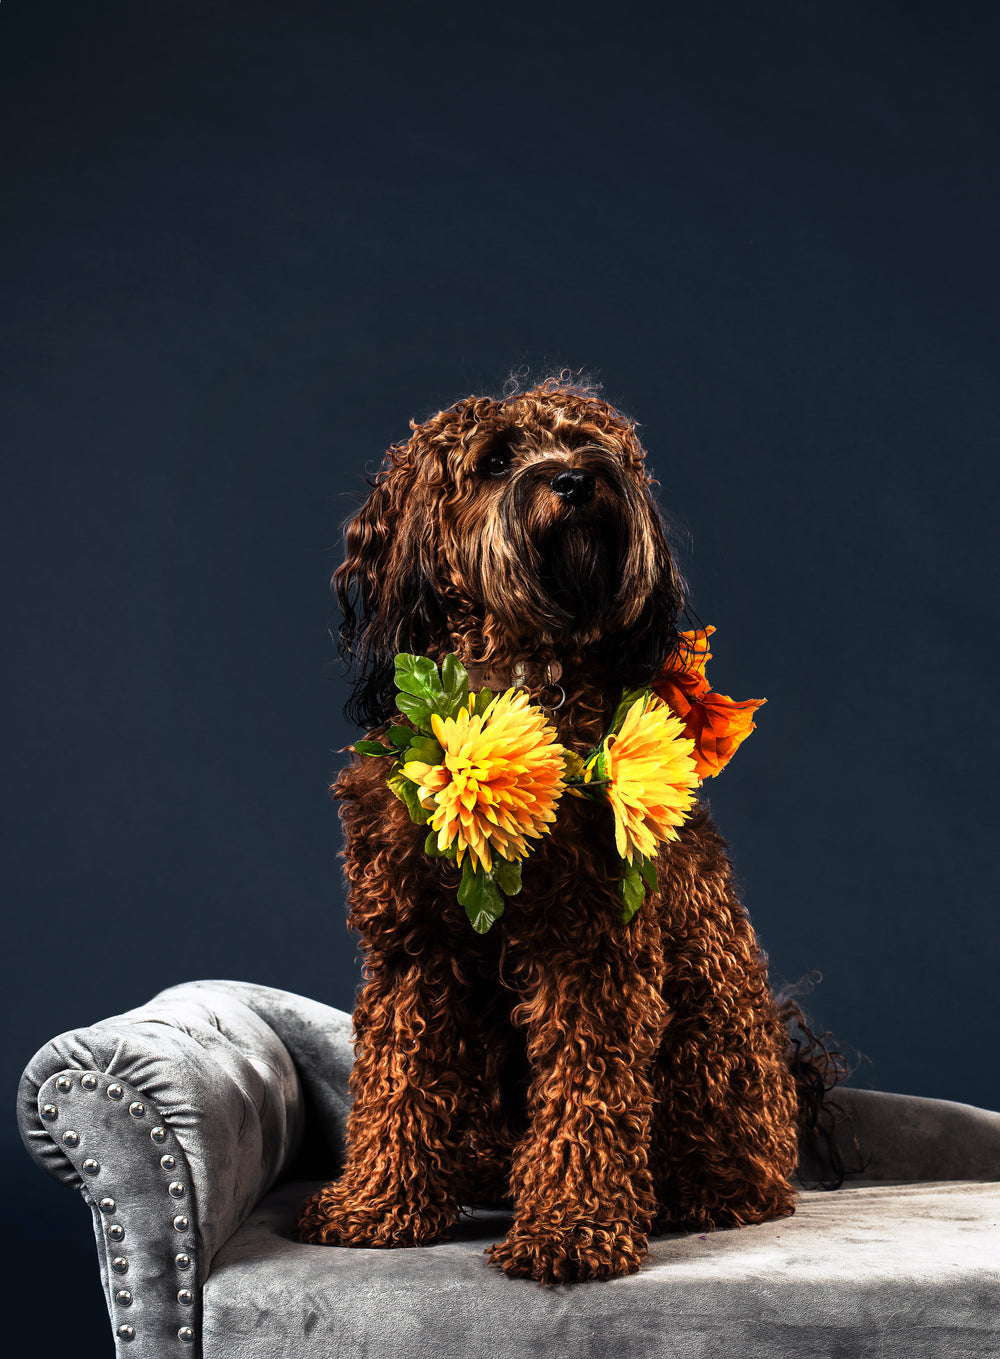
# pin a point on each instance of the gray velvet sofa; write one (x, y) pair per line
(194, 1125)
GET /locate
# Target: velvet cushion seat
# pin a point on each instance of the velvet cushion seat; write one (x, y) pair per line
(872, 1270)
(195, 1125)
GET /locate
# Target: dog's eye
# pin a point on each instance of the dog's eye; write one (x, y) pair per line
(495, 464)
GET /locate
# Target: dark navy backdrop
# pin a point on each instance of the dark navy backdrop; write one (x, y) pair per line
(244, 243)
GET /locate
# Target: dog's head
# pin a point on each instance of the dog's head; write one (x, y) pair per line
(509, 528)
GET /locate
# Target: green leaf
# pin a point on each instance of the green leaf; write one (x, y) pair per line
(599, 767)
(573, 766)
(470, 872)
(420, 692)
(417, 674)
(419, 814)
(627, 699)
(507, 875)
(455, 683)
(425, 749)
(400, 736)
(373, 748)
(480, 896)
(481, 701)
(632, 891)
(647, 867)
(431, 846)
(406, 790)
(418, 710)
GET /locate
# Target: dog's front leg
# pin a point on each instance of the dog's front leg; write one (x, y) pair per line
(580, 1180)
(404, 1133)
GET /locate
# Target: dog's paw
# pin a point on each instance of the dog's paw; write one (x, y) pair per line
(330, 1218)
(568, 1254)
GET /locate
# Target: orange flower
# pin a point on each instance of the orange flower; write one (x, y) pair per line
(500, 780)
(715, 722)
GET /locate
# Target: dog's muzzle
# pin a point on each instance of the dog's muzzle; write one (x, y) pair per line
(574, 485)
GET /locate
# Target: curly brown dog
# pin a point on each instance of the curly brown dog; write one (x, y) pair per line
(608, 1080)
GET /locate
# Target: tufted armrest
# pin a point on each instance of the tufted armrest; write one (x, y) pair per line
(172, 1120)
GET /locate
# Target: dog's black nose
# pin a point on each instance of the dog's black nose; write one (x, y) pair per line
(573, 485)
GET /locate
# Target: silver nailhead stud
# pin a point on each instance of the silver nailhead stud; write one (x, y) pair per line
(181, 1224)
(116, 1232)
(126, 1332)
(71, 1138)
(185, 1297)
(186, 1334)
(182, 1261)
(64, 1084)
(137, 1109)
(119, 1264)
(89, 1082)
(158, 1134)
(168, 1162)
(175, 1189)
(123, 1298)
(49, 1112)
(90, 1166)
(107, 1205)
(115, 1092)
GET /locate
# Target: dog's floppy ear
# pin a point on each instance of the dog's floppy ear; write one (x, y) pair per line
(384, 590)
(651, 639)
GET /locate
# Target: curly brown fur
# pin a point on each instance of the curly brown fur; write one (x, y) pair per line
(606, 1080)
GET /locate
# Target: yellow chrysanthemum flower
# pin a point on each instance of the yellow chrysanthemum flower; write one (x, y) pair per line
(652, 778)
(500, 781)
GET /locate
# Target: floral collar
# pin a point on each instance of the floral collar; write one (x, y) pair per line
(484, 772)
